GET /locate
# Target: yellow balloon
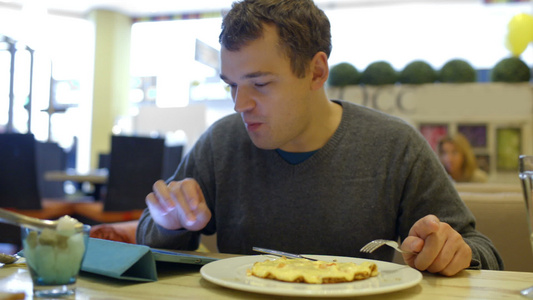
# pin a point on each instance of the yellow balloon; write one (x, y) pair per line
(520, 33)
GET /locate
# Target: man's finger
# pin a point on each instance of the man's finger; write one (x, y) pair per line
(433, 244)
(163, 196)
(178, 194)
(413, 244)
(425, 227)
(192, 192)
(153, 203)
(458, 262)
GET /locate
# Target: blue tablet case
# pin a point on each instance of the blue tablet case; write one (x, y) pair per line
(130, 261)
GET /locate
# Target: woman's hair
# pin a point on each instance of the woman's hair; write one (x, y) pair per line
(463, 146)
(303, 28)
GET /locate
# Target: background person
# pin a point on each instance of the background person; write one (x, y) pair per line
(457, 157)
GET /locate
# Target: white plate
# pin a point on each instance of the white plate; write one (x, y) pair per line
(231, 273)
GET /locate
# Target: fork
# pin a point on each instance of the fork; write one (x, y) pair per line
(373, 245)
(281, 253)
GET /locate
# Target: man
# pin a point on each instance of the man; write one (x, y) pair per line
(297, 172)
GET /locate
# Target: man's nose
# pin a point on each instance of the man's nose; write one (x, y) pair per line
(242, 99)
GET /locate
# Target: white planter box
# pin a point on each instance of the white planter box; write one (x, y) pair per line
(500, 108)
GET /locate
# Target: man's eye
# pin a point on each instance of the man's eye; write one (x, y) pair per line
(262, 84)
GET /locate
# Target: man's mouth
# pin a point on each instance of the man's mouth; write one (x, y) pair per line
(252, 126)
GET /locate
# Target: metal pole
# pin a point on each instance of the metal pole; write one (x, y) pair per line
(51, 107)
(12, 51)
(30, 94)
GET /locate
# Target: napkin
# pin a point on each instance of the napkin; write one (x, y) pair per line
(119, 260)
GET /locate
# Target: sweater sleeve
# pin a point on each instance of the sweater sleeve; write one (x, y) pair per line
(152, 235)
(484, 254)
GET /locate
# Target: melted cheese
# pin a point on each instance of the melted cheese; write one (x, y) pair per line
(303, 270)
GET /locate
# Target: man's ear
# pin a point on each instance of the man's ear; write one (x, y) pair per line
(319, 70)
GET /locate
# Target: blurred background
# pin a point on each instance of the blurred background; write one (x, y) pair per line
(77, 72)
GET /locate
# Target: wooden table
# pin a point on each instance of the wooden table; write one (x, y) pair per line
(185, 282)
(97, 178)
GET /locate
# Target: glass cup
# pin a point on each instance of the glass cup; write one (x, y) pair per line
(54, 259)
(526, 177)
(525, 163)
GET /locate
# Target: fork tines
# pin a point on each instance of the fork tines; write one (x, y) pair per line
(372, 246)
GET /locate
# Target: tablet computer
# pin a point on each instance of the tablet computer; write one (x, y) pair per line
(177, 257)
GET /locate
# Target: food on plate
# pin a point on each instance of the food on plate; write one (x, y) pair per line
(316, 272)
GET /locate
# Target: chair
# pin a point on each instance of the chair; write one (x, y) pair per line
(135, 164)
(171, 160)
(19, 187)
(50, 156)
(104, 161)
(502, 218)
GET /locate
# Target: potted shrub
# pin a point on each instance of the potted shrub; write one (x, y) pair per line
(511, 69)
(457, 71)
(379, 73)
(342, 75)
(417, 72)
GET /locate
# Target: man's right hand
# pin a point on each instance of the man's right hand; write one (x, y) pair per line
(180, 204)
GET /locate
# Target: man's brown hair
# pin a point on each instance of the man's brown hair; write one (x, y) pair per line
(303, 28)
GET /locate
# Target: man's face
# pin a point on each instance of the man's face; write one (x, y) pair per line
(272, 101)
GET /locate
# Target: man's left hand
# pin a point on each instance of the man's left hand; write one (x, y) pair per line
(439, 248)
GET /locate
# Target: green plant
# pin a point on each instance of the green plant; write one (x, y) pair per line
(343, 74)
(511, 69)
(418, 72)
(379, 73)
(457, 71)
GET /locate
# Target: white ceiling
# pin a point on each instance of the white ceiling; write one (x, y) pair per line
(128, 7)
(136, 8)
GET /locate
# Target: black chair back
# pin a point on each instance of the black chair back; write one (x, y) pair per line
(50, 157)
(135, 164)
(18, 179)
(104, 161)
(171, 160)
(18, 174)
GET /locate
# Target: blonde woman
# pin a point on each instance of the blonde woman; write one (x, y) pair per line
(456, 154)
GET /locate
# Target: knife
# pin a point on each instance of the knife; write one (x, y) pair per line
(281, 253)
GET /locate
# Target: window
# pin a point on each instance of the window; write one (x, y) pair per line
(361, 34)
(169, 51)
(63, 49)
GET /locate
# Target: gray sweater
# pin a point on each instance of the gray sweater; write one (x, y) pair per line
(373, 179)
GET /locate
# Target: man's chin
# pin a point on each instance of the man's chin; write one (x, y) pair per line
(262, 144)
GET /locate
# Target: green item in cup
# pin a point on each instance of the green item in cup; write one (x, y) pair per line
(55, 256)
